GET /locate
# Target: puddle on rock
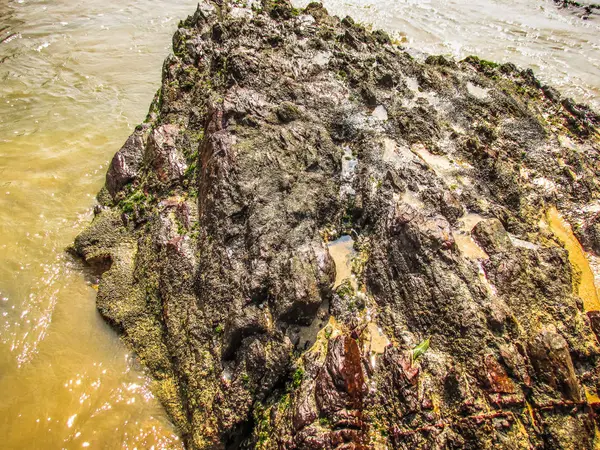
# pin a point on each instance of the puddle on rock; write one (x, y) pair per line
(374, 342)
(305, 337)
(464, 241)
(469, 220)
(449, 171)
(389, 150)
(595, 266)
(567, 142)
(377, 340)
(342, 251)
(325, 326)
(578, 258)
(430, 96)
(468, 247)
(477, 91)
(398, 155)
(413, 84)
(441, 164)
(241, 13)
(380, 113)
(412, 199)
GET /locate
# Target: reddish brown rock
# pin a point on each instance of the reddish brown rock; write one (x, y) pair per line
(496, 379)
(341, 381)
(164, 154)
(125, 165)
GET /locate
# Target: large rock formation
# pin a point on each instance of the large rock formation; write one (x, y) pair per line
(585, 10)
(275, 132)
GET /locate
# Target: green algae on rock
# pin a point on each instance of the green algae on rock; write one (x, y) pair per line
(275, 127)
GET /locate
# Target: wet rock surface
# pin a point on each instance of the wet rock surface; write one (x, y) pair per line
(277, 130)
(585, 10)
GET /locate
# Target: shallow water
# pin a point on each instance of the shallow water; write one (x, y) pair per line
(342, 251)
(464, 240)
(75, 77)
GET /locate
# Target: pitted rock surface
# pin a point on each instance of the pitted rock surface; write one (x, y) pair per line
(277, 130)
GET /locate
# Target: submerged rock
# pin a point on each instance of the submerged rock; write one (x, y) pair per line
(277, 129)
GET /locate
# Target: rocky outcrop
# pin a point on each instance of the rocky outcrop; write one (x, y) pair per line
(585, 10)
(278, 130)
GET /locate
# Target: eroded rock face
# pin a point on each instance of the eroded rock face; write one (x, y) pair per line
(277, 130)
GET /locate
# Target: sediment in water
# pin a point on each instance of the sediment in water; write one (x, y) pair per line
(275, 131)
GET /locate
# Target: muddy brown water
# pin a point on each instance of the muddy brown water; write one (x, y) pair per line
(75, 78)
(342, 251)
